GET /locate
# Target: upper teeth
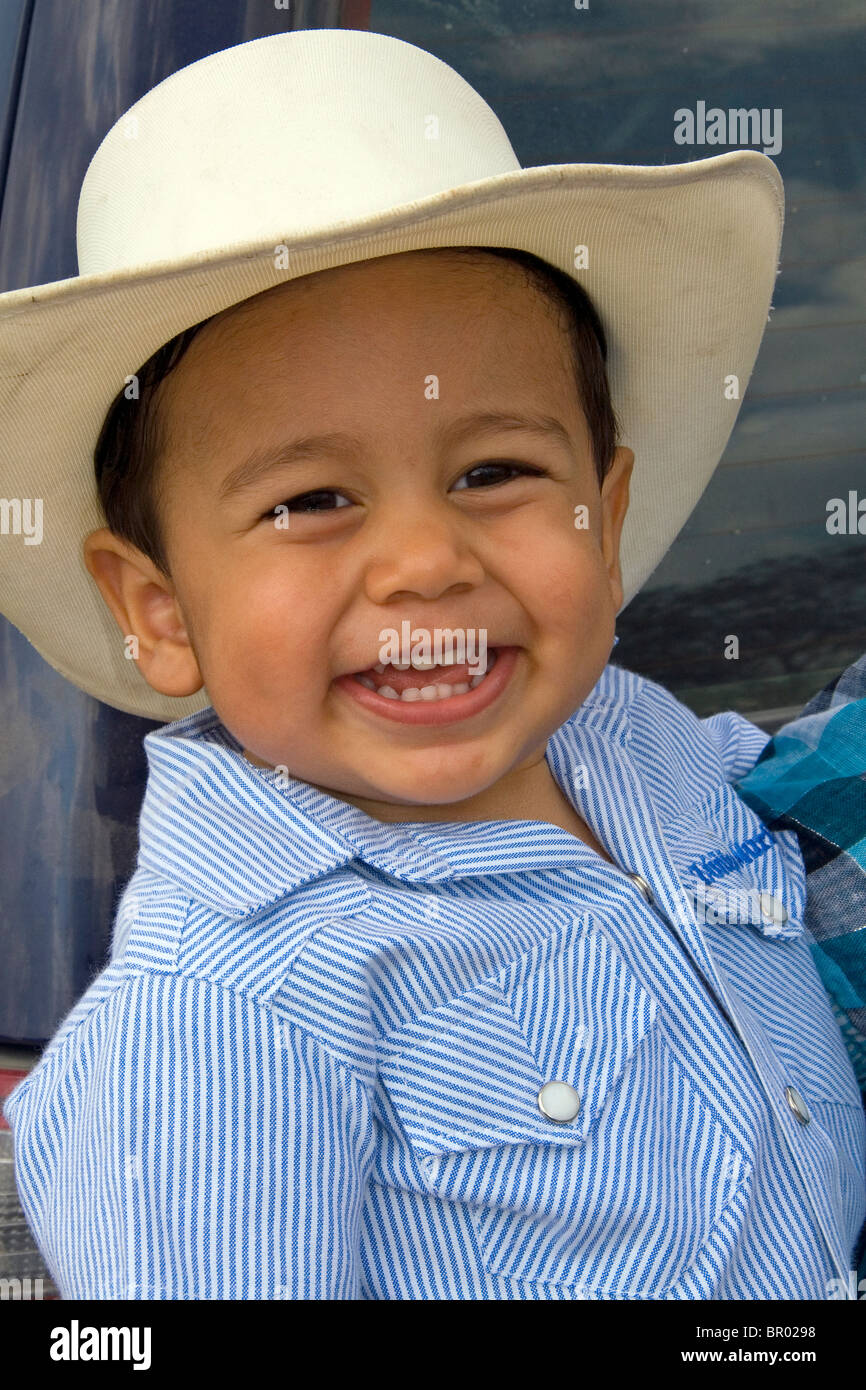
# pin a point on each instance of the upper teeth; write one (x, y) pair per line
(418, 664)
(440, 691)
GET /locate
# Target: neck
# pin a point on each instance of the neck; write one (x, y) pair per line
(529, 792)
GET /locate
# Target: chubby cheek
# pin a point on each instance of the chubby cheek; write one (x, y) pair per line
(264, 642)
(578, 623)
(572, 592)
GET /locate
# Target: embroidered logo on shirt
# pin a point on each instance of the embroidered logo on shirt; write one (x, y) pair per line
(714, 866)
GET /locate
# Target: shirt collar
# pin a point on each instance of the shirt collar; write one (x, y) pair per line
(239, 837)
(284, 833)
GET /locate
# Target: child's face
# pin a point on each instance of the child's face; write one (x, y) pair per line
(270, 617)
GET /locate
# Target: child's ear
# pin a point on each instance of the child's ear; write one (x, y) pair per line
(144, 605)
(614, 505)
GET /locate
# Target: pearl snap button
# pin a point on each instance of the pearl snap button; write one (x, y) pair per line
(772, 908)
(558, 1102)
(641, 883)
(797, 1105)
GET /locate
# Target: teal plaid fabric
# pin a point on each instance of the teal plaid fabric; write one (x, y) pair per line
(811, 778)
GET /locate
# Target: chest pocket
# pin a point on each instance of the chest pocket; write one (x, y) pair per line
(624, 1197)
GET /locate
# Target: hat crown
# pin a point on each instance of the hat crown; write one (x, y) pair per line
(281, 137)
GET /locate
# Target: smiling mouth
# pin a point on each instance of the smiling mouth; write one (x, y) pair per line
(431, 682)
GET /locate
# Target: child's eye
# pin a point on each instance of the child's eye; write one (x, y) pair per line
(499, 467)
(305, 501)
(489, 475)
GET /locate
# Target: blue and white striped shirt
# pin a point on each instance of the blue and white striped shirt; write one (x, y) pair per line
(312, 1066)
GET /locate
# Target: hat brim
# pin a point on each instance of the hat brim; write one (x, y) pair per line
(681, 266)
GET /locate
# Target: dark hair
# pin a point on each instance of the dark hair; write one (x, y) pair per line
(133, 437)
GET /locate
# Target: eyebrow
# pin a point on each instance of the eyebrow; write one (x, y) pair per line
(262, 463)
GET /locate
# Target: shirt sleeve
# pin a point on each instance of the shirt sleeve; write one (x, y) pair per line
(739, 742)
(186, 1143)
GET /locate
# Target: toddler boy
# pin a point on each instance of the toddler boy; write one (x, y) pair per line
(433, 979)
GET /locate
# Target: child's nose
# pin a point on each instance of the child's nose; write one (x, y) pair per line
(421, 554)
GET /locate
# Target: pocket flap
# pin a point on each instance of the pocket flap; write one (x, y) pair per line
(468, 1074)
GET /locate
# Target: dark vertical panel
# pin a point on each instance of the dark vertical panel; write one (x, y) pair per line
(15, 18)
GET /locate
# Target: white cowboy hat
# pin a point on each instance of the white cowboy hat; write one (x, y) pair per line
(343, 145)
